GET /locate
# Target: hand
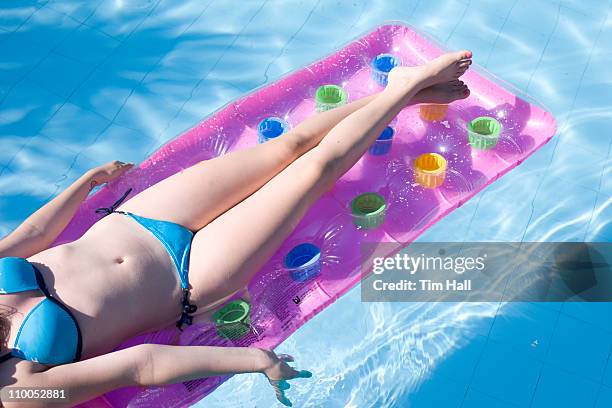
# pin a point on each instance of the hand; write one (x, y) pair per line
(108, 172)
(278, 372)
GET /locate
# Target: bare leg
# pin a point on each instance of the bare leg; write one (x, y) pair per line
(228, 251)
(199, 194)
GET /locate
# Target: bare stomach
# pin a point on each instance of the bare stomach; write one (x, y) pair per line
(118, 280)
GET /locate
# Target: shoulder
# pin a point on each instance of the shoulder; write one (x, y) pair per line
(18, 373)
(21, 242)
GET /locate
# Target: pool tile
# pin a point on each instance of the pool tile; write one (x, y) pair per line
(545, 85)
(230, 67)
(171, 20)
(46, 29)
(60, 75)
(295, 55)
(380, 12)
(459, 363)
(119, 143)
(346, 12)
(80, 11)
(603, 208)
(526, 327)
(518, 186)
(132, 14)
(428, 394)
(233, 23)
(501, 9)
(606, 179)
(335, 34)
(593, 95)
(81, 164)
(607, 378)
(146, 47)
(600, 227)
(40, 180)
(169, 85)
(562, 200)
(17, 203)
(19, 55)
(540, 160)
(183, 61)
(529, 13)
(548, 228)
(480, 45)
(595, 313)
(147, 114)
(577, 165)
(515, 44)
(580, 348)
(604, 400)
(584, 132)
(515, 383)
(602, 233)
(454, 226)
(431, 17)
(9, 146)
(87, 45)
(13, 16)
(26, 108)
(105, 91)
(74, 126)
(477, 399)
(560, 389)
(268, 28)
(210, 96)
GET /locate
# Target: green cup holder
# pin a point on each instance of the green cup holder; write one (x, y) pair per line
(368, 210)
(329, 97)
(233, 320)
(483, 132)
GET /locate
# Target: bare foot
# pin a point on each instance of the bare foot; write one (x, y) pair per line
(445, 68)
(442, 93)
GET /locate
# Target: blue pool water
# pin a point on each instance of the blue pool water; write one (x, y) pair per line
(86, 82)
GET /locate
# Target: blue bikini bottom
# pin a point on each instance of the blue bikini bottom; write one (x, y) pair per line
(177, 241)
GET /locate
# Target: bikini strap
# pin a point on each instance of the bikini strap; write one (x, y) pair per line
(113, 208)
(188, 310)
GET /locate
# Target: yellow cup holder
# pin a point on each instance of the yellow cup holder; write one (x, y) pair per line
(432, 112)
(430, 170)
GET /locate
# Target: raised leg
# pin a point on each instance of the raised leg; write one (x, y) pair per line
(199, 194)
(228, 251)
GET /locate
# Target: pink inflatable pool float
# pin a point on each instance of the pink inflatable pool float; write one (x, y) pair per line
(431, 160)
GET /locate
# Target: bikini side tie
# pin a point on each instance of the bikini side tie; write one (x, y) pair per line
(113, 208)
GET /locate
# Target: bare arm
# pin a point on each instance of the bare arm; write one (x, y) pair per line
(152, 364)
(40, 229)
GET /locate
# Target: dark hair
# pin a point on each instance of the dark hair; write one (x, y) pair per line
(5, 324)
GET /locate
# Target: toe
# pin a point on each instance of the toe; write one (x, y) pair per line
(463, 55)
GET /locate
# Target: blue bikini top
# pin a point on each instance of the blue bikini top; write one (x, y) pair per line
(49, 334)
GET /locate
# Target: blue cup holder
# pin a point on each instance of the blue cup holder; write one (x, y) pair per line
(382, 145)
(271, 128)
(303, 262)
(381, 66)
